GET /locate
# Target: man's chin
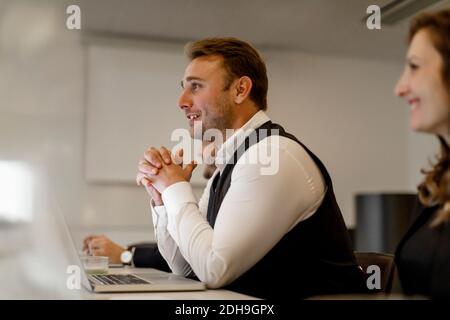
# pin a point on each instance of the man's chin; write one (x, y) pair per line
(195, 135)
(196, 130)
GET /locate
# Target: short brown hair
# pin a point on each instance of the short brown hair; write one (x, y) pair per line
(239, 59)
(435, 189)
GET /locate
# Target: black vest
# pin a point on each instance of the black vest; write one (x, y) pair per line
(313, 258)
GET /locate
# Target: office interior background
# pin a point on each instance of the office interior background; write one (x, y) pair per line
(79, 107)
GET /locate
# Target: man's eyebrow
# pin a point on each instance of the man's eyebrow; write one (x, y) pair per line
(412, 57)
(190, 78)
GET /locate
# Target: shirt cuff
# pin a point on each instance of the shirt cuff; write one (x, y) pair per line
(159, 216)
(177, 196)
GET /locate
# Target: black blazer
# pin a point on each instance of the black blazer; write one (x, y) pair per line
(146, 255)
(423, 256)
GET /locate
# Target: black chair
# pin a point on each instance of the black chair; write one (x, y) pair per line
(385, 262)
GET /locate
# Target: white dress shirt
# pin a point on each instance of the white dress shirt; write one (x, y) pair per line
(257, 211)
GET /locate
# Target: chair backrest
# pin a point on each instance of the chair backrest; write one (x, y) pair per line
(386, 264)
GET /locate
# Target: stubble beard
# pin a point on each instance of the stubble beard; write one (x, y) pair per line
(222, 117)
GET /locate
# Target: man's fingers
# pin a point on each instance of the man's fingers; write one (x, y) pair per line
(87, 240)
(189, 168)
(85, 245)
(142, 179)
(95, 243)
(157, 157)
(147, 169)
(146, 183)
(98, 252)
(166, 155)
(153, 157)
(152, 190)
(139, 178)
(178, 159)
(142, 160)
(139, 175)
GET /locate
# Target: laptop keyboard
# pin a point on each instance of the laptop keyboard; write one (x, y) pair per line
(109, 279)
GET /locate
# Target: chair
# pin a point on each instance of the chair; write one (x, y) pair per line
(382, 260)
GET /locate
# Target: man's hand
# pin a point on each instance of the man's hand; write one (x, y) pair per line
(157, 170)
(152, 166)
(103, 246)
(151, 190)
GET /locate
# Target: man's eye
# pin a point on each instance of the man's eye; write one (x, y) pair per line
(195, 86)
(413, 66)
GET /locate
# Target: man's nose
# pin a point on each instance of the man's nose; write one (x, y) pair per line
(185, 101)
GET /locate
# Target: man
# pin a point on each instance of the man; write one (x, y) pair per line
(268, 235)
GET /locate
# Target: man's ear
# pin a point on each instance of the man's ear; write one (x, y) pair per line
(242, 87)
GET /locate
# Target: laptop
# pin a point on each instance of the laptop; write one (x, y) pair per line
(123, 279)
(142, 282)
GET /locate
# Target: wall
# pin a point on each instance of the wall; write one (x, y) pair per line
(41, 89)
(422, 149)
(343, 109)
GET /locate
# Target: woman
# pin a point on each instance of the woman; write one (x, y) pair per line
(423, 256)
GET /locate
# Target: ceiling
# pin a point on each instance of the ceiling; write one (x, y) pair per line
(327, 27)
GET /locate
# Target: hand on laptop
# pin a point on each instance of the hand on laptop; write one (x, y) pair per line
(103, 246)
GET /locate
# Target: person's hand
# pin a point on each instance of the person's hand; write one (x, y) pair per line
(157, 171)
(156, 199)
(151, 162)
(103, 246)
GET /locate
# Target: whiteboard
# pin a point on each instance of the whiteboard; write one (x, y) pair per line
(131, 104)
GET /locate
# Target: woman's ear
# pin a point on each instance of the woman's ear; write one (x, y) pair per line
(243, 86)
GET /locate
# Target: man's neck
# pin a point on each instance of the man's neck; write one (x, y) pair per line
(243, 115)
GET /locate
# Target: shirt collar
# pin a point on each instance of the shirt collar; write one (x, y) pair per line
(228, 148)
